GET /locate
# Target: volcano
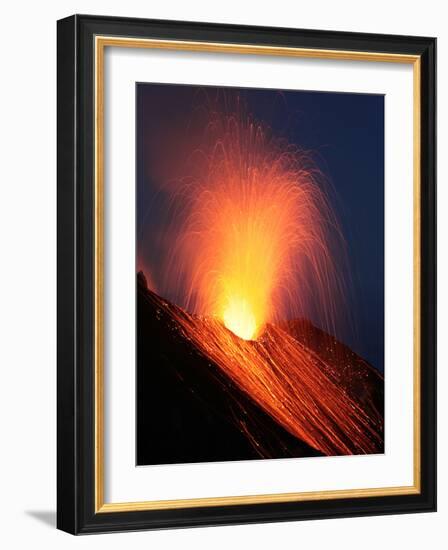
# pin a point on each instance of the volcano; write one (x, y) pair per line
(189, 409)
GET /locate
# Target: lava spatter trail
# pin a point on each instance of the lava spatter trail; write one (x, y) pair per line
(289, 381)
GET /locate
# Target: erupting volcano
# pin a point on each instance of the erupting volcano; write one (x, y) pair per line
(252, 249)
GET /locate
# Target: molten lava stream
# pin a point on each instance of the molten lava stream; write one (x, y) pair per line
(289, 382)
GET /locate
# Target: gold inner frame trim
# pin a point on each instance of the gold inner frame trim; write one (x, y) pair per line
(101, 42)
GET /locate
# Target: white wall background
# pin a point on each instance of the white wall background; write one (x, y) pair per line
(28, 272)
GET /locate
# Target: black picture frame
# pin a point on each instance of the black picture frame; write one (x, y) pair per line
(76, 511)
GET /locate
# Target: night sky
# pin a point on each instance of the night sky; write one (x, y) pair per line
(344, 131)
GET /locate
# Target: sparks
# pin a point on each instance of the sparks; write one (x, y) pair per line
(255, 236)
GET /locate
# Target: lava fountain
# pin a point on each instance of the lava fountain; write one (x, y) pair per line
(257, 237)
(256, 243)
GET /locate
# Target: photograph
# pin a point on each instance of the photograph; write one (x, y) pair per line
(246, 240)
(259, 274)
(222, 254)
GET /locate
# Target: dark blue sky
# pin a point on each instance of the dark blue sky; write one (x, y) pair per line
(344, 131)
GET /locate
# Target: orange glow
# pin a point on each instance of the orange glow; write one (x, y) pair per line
(239, 318)
(255, 235)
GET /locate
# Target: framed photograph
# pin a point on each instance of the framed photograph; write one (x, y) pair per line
(246, 274)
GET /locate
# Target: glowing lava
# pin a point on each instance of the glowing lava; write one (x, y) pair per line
(254, 234)
(292, 384)
(238, 318)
